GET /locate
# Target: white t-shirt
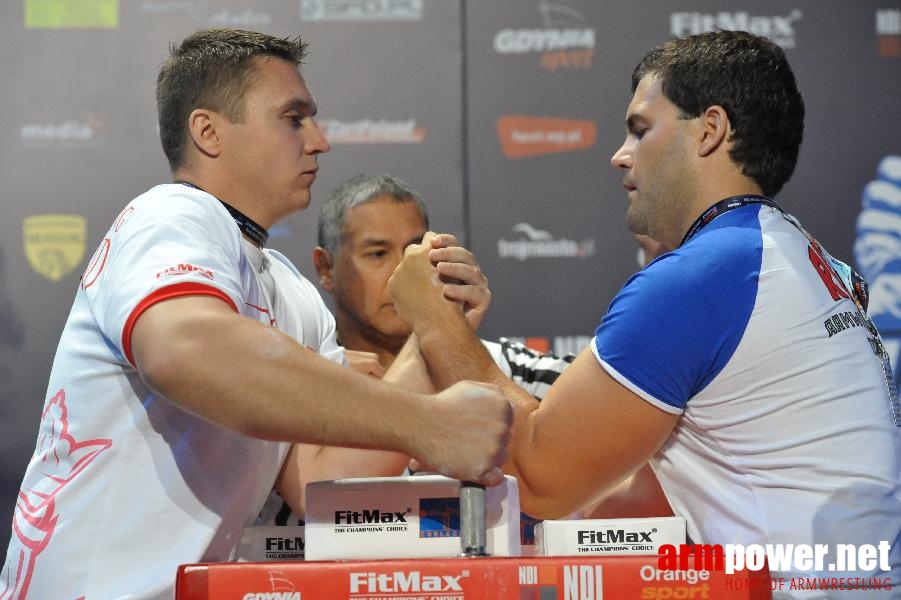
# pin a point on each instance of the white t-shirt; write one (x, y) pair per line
(124, 485)
(786, 434)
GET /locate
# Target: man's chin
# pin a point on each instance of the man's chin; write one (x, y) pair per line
(302, 201)
(636, 229)
(635, 224)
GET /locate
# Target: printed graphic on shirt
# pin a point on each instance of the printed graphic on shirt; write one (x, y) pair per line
(35, 517)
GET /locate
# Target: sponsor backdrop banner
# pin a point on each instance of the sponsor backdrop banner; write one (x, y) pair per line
(503, 114)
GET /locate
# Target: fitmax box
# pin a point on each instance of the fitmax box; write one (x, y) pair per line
(608, 536)
(403, 517)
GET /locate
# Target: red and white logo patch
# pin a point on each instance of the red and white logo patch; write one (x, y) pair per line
(184, 269)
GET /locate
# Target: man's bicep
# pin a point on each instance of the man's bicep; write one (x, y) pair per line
(162, 327)
(589, 433)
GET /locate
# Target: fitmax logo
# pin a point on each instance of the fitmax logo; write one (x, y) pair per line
(413, 582)
(284, 544)
(369, 517)
(184, 269)
(778, 28)
(615, 536)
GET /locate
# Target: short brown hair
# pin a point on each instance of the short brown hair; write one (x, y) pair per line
(212, 69)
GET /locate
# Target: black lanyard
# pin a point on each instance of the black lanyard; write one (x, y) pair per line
(724, 206)
(256, 232)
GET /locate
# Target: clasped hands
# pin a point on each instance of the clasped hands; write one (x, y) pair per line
(439, 279)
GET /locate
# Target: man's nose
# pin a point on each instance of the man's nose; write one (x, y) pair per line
(622, 158)
(318, 143)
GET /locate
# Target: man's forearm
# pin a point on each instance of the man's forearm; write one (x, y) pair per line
(453, 352)
(409, 369)
(262, 383)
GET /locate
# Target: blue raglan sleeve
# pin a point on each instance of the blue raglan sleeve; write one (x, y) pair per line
(676, 324)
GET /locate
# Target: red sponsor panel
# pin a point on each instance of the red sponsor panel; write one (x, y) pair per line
(890, 46)
(524, 136)
(541, 344)
(520, 578)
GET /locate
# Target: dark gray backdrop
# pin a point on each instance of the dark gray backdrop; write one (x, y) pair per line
(503, 114)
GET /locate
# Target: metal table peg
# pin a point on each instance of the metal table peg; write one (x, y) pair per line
(472, 519)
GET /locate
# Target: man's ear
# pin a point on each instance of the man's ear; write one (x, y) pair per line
(322, 260)
(203, 127)
(716, 128)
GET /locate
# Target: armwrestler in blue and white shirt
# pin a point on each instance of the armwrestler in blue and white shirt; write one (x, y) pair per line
(739, 364)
